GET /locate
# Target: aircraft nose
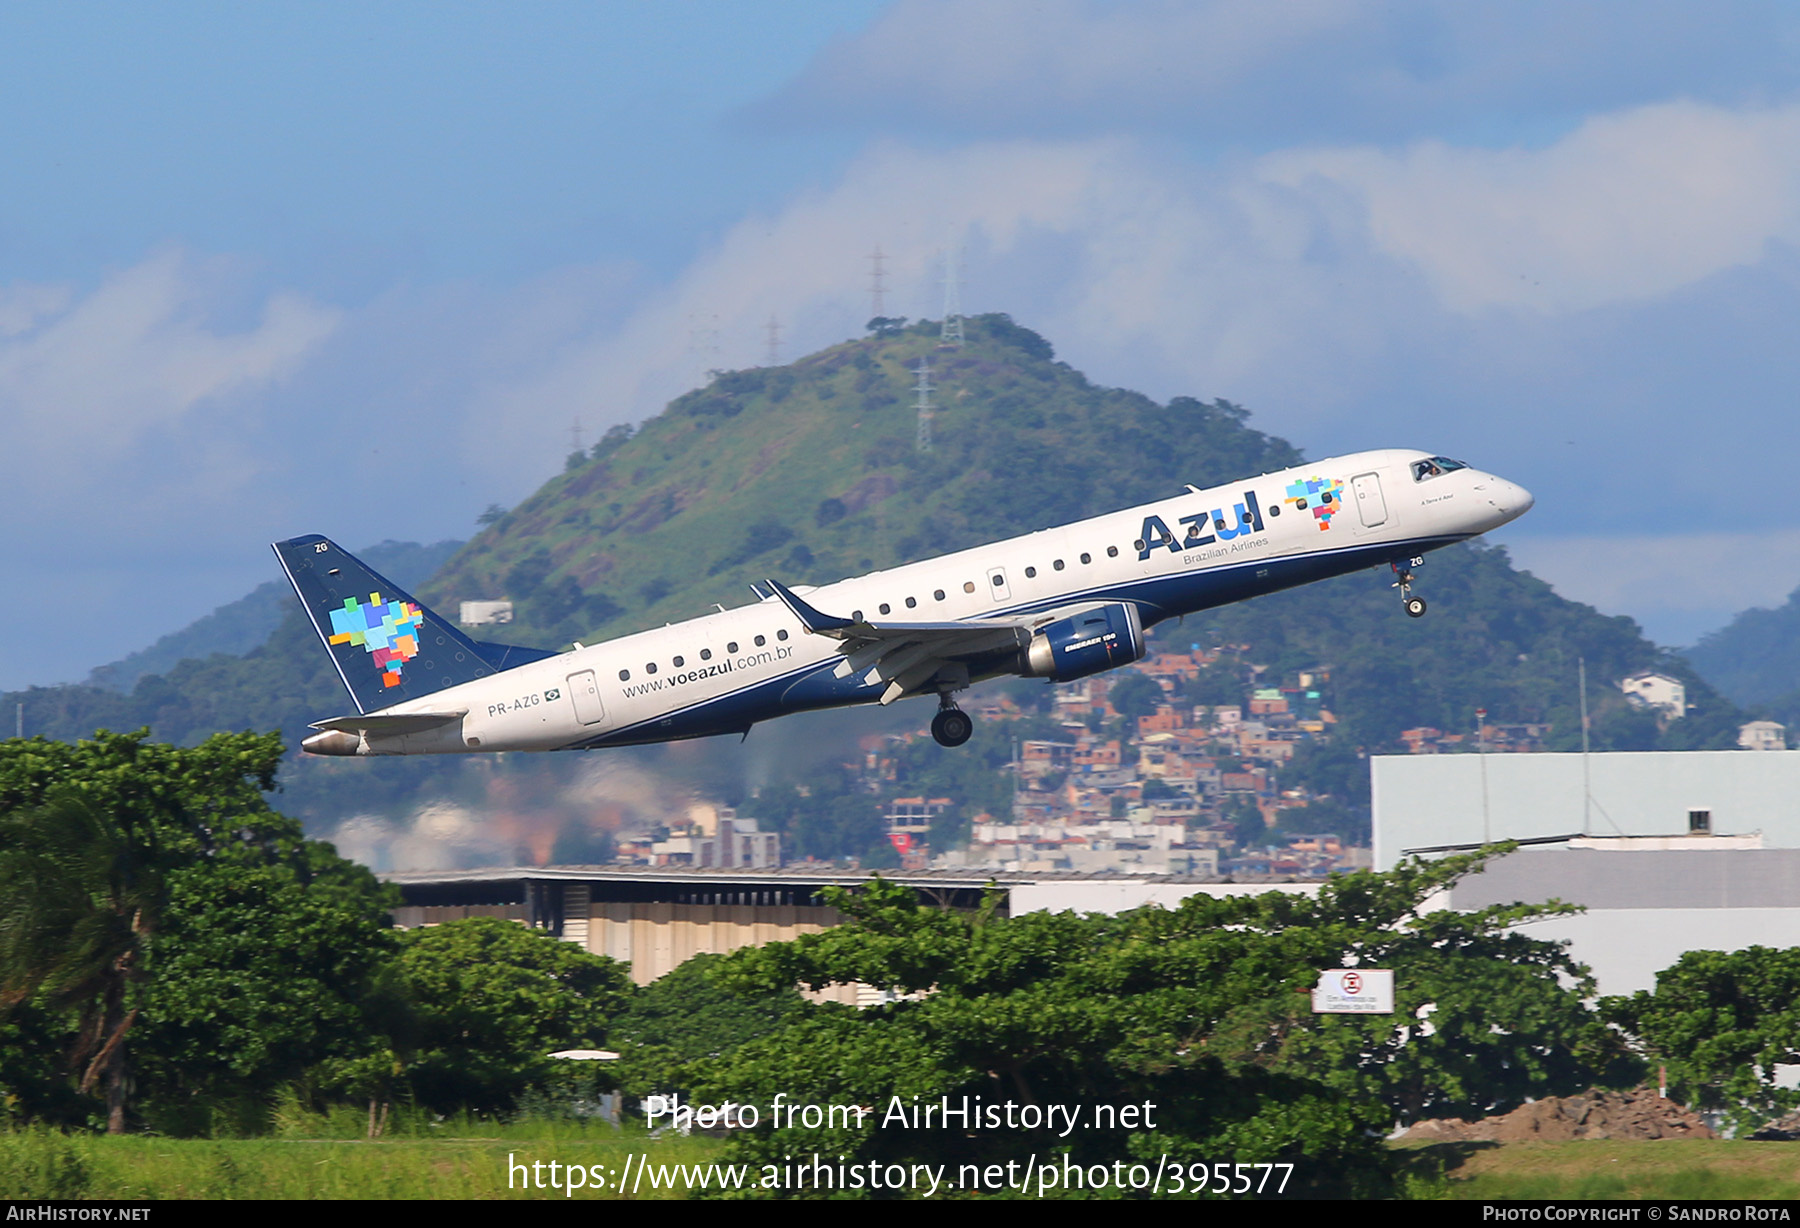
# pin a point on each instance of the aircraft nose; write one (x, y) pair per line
(1512, 499)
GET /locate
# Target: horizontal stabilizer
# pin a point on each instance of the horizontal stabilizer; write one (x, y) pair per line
(393, 724)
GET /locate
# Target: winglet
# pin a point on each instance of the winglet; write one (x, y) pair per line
(811, 619)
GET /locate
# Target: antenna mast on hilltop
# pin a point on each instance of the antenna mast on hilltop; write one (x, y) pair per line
(922, 404)
(773, 327)
(575, 435)
(951, 336)
(877, 298)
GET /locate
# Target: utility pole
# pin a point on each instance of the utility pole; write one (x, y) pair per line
(773, 328)
(1487, 835)
(1587, 789)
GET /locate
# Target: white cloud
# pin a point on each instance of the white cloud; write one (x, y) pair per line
(1629, 206)
(1246, 74)
(1302, 282)
(84, 379)
(22, 306)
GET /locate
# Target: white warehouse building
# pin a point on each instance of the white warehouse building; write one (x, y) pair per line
(1667, 851)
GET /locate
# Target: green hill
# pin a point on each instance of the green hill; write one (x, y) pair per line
(811, 472)
(1755, 658)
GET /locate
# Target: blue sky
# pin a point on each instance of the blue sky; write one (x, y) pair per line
(358, 269)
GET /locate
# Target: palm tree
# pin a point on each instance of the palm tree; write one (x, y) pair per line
(79, 899)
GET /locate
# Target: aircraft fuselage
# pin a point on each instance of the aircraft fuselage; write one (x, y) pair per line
(726, 671)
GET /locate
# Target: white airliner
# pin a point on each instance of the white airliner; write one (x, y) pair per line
(1058, 604)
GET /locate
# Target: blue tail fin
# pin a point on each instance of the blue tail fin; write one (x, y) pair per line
(387, 647)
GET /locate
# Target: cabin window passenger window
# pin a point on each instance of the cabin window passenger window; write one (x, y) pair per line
(1087, 558)
(624, 675)
(1275, 509)
(886, 608)
(1031, 573)
(1058, 564)
(761, 640)
(650, 667)
(1112, 552)
(939, 595)
(680, 661)
(732, 647)
(781, 634)
(706, 654)
(968, 586)
(912, 603)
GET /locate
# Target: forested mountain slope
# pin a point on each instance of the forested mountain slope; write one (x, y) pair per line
(1755, 658)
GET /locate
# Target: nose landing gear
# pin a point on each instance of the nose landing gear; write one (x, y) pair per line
(1403, 578)
(951, 726)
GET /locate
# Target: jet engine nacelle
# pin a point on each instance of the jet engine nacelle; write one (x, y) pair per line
(1097, 638)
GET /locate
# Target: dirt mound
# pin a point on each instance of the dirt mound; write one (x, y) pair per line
(1640, 1114)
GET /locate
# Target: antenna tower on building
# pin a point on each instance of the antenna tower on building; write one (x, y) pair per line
(951, 337)
(922, 403)
(772, 358)
(877, 295)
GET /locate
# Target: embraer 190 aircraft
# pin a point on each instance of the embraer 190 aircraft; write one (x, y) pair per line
(1058, 604)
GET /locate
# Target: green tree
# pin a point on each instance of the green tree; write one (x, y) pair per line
(262, 979)
(489, 1001)
(687, 1015)
(1199, 1010)
(79, 900)
(1485, 1018)
(235, 951)
(1720, 1022)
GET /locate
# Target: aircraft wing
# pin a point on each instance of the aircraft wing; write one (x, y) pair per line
(907, 655)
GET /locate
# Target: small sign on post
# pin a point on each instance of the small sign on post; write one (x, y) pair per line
(1354, 991)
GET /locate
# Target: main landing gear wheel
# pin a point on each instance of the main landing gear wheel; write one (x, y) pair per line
(1415, 606)
(951, 727)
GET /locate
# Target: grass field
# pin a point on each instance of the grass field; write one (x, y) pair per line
(459, 1164)
(1668, 1168)
(474, 1161)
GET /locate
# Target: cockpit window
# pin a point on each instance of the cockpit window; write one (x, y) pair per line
(1436, 466)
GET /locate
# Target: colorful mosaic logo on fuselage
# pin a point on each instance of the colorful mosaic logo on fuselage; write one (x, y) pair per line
(386, 630)
(1320, 496)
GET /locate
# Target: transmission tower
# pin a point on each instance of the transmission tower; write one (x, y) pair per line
(703, 346)
(575, 444)
(772, 358)
(922, 403)
(877, 296)
(951, 336)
